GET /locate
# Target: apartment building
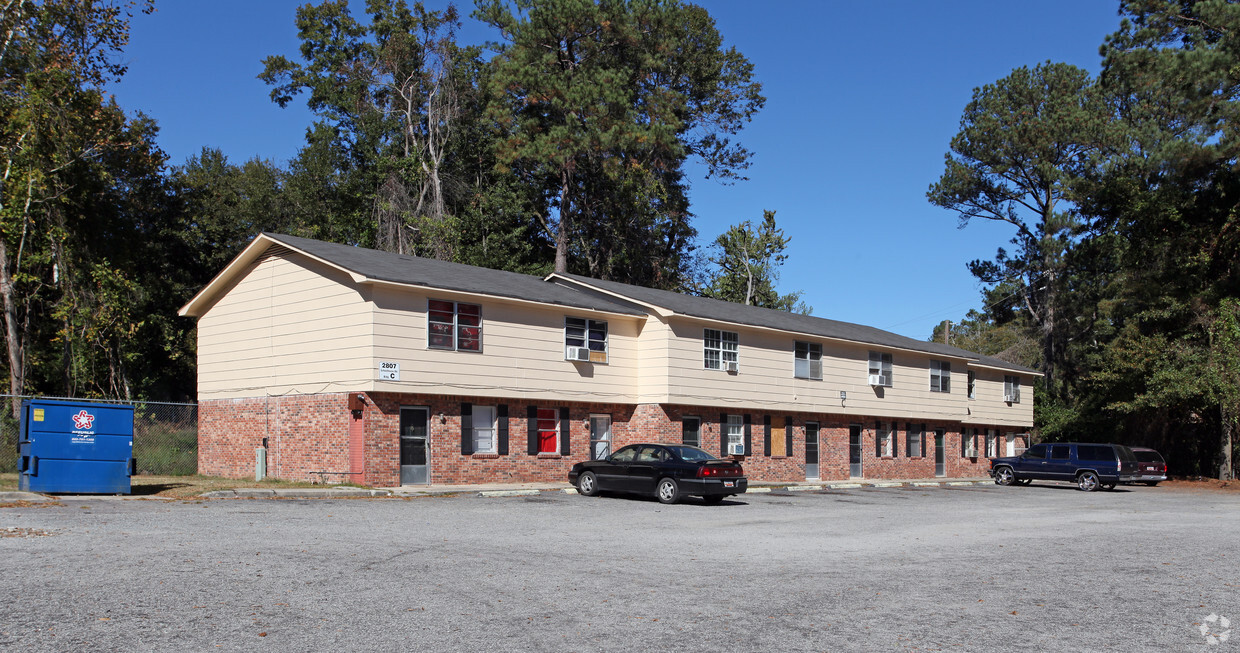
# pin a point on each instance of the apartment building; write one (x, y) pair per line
(349, 364)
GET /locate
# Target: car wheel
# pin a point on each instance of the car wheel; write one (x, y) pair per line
(712, 498)
(1108, 486)
(1025, 481)
(1087, 481)
(1004, 476)
(587, 484)
(668, 491)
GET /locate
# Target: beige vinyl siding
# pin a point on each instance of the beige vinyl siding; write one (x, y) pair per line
(522, 351)
(654, 351)
(766, 378)
(289, 325)
(988, 406)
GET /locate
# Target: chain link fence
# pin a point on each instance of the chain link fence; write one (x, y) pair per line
(165, 435)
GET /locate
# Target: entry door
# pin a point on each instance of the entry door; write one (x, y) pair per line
(413, 467)
(940, 453)
(854, 450)
(811, 450)
(600, 436)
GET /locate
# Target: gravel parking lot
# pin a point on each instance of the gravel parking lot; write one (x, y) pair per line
(1044, 567)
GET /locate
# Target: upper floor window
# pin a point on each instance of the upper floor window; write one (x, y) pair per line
(972, 384)
(720, 350)
(1011, 389)
(452, 325)
(880, 365)
(940, 376)
(585, 340)
(808, 360)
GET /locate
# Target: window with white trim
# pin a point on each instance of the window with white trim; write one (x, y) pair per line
(914, 435)
(940, 376)
(972, 384)
(880, 365)
(691, 431)
(583, 333)
(885, 439)
(719, 348)
(1011, 389)
(808, 360)
(992, 444)
(548, 428)
(735, 430)
(484, 429)
(452, 325)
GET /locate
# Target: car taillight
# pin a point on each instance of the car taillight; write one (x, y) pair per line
(706, 471)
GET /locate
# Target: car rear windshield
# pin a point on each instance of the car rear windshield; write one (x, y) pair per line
(691, 454)
(1148, 456)
(1094, 452)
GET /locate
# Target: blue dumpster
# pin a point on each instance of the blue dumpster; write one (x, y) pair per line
(77, 447)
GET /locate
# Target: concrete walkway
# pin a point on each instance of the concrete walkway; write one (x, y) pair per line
(520, 489)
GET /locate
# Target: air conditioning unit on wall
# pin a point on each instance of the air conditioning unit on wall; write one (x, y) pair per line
(577, 354)
(732, 366)
(876, 379)
(1011, 399)
(736, 448)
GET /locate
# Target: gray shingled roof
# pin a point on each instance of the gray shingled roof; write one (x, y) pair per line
(430, 273)
(714, 309)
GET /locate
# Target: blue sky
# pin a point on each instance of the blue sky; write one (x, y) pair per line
(862, 101)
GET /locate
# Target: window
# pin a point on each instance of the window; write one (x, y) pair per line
(972, 384)
(940, 376)
(735, 430)
(968, 443)
(992, 444)
(1037, 451)
(588, 334)
(719, 348)
(548, 431)
(484, 429)
(913, 435)
(808, 361)
(1011, 389)
(880, 365)
(884, 438)
(450, 325)
(691, 431)
(1061, 452)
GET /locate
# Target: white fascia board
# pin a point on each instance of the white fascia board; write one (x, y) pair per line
(500, 298)
(1005, 369)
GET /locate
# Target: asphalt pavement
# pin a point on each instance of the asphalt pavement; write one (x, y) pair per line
(972, 567)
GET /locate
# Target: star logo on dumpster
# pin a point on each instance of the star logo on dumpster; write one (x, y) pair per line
(83, 420)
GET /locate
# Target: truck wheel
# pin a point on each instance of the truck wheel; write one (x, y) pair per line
(1087, 481)
(1004, 476)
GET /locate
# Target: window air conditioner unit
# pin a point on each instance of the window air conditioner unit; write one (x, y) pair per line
(1011, 399)
(970, 452)
(736, 448)
(876, 379)
(732, 366)
(578, 354)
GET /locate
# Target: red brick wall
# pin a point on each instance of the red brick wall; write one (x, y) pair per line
(308, 439)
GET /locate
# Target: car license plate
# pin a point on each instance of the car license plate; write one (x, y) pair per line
(1149, 469)
(729, 484)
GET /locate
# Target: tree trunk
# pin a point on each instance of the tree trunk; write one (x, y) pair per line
(13, 340)
(561, 235)
(1227, 431)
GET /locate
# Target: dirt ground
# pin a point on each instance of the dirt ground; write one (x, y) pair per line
(1201, 484)
(180, 487)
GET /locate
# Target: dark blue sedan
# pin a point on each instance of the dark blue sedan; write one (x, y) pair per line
(667, 471)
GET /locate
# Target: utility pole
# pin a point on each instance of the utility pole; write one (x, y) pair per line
(947, 332)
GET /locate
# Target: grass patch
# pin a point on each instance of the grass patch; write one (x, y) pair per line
(183, 487)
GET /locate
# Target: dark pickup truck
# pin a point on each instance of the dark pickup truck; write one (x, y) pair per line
(1089, 466)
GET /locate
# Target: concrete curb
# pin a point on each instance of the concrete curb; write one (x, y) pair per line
(296, 493)
(7, 497)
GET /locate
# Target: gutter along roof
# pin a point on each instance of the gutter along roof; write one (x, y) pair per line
(568, 290)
